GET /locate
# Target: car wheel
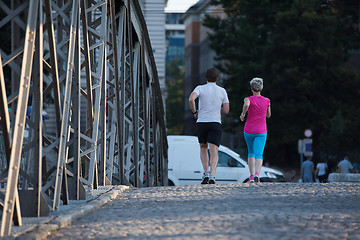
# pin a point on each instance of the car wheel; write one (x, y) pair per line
(170, 183)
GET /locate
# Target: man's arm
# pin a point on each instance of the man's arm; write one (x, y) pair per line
(192, 98)
(225, 108)
(313, 173)
(351, 169)
(316, 171)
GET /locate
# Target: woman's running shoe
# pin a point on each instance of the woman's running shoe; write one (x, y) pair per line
(256, 178)
(251, 179)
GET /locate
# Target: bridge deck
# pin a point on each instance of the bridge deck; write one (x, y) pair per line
(224, 211)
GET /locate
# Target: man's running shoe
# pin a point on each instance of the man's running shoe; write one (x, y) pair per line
(256, 178)
(251, 179)
(205, 178)
(211, 180)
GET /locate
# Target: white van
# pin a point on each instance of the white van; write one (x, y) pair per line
(185, 168)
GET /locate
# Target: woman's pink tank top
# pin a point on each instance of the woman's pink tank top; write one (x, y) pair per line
(256, 119)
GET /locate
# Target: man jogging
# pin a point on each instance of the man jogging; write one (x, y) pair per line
(213, 101)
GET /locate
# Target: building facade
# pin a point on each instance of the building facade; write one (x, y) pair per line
(175, 36)
(155, 20)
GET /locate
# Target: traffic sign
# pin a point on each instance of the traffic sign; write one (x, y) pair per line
(300, 146)
(307, 146)
(308, 133)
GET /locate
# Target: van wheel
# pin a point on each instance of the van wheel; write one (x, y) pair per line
(170, 183)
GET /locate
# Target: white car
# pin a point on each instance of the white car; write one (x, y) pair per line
(185, 168)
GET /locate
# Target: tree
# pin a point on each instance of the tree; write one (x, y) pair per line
(299, 48)
(175, 100)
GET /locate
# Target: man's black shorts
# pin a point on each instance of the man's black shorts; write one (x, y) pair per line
(209, 132)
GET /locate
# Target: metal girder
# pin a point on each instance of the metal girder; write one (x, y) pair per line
(19, 125)
(5, 129)
(98, 48)
(113, 98)
(65, 131)
(90, 64)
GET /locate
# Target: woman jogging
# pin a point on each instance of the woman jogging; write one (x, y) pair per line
(255, 132)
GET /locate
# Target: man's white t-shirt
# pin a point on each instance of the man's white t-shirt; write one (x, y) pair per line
(211, 98)
(345, 166)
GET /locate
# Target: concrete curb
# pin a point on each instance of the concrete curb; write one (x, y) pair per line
(344, 177)
(42, 231)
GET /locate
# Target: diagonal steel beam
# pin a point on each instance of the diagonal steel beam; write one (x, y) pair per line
(5, 127)
(64, 134)
(19, 125)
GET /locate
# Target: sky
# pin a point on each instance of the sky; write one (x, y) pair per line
(179, 5)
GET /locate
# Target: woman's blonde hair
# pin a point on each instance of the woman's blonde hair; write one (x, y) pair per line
(257, 84)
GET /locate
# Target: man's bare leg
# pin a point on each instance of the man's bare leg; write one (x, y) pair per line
(204, 156)
(214, 158)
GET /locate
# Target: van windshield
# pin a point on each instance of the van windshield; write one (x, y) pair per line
(226, 160)
(238, 155)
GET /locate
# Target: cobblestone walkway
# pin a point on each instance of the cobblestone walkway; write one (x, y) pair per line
(226, 211)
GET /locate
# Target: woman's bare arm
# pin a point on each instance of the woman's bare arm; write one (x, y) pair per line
(245, 108)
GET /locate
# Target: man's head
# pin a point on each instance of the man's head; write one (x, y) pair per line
(212, 75)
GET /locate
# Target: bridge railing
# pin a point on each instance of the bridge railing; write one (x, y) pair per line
(91, 63)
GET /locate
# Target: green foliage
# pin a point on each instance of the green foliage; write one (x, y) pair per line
(175, 100)
(299, 48)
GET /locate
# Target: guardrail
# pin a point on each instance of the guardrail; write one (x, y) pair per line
(92, 62)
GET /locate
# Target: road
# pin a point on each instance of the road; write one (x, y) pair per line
(226, 211)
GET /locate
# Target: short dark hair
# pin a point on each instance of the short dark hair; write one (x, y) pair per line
(212, 74)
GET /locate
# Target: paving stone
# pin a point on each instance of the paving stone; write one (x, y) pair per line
(226, 211)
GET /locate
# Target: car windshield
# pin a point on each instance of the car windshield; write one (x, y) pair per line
(225, 160)
(238, 155)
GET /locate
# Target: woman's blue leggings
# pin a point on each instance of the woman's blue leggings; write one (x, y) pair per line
(255, 144)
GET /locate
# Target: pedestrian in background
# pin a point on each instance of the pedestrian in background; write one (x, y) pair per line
(213, 100)
(258, 109)
(307, 170)
(345, 165)
(356, 167)
(321, 171)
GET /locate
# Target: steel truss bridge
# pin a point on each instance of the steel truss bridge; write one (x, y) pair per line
(91, 62)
